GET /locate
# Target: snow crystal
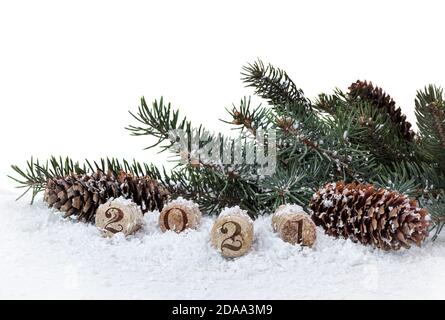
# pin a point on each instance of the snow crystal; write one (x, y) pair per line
(337, 196)
(328, 203)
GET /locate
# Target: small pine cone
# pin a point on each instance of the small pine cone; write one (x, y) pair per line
(81, 195)
(377, 217)
(367, 92)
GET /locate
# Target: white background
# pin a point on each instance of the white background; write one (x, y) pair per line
(70, 70)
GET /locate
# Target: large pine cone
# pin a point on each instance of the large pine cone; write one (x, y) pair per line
(81, 195)
(367, 92)
(378, 217)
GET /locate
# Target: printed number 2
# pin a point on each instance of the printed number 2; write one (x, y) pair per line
(232, 237)
(115, 215)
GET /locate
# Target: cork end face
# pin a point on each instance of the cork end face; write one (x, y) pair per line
(232, 236)
(118, 217)
(174, 219)
(291, 232)
(298, 230)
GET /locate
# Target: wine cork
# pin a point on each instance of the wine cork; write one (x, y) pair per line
(232, 232)
(119, 215)
(179, 215)
(293, 225)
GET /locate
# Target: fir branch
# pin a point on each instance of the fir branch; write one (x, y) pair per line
(210, 181)
(403, 177)
(272, 84)
(158, 121)
(247, 119)
(288, 127)
(293, 184)
(169, 121)
(362, 91)
(328, 103)
(430, 113)
(375, 131)
(438, 117)
(436, 208)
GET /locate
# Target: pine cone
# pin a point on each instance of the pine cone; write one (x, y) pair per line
(367, 92)
(81, 195)
(378, 217)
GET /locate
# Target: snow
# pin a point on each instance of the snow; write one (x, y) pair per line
(121, 200)
(289, 209)
(183, 202)
(328, 203)
(44, 256)
(237, 211)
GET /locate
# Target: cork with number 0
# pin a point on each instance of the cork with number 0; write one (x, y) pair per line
(179, 215)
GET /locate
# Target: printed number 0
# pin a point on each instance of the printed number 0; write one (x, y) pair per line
(184, 220)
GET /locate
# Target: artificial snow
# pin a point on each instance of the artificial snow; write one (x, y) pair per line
(44, 256)
(121, 200)
(227, 212)
(328, 203)
(289, 209)
(183, 202)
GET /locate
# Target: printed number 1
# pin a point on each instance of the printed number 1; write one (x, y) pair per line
(300, 231)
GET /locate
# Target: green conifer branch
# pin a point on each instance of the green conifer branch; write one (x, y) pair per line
(430, 113)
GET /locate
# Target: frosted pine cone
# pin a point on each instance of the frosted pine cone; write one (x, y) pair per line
(81, 195)
(372, 216)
